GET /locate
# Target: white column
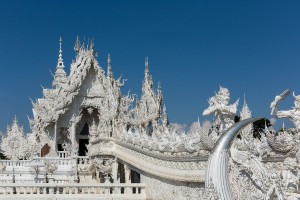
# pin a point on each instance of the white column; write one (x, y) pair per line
(55, 136)
(127, 173)
(114, 172)
(127, 178)
(73, 135)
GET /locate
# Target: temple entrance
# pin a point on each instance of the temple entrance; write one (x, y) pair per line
(83, 140)
(82, 147)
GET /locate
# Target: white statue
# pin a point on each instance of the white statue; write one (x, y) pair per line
(293, 114)
(220, 107)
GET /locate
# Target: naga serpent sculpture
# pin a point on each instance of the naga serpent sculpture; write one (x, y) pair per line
(217, 169)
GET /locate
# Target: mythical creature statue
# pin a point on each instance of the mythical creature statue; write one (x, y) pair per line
(293, 114)
(220, 107)
(104, 165)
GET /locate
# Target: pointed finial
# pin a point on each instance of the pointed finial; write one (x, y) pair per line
(146, 62)
(60, 74)
(77, 45)
(60, 63)
(108, 61)
(146, 68)
(245, 99)
(60, 50)
(92, 47)
(15, 120)
(109, 71)
(60, 41)
(92, 44)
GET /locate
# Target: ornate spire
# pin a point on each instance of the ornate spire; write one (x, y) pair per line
(245, 112)
(60, 74)
(60, 51)
(148, 78)
(146, 67)
(109, 70)
(77, 45)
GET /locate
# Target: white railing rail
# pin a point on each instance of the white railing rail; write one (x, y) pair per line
(26, 163)
(64, 154)
(72, 188)
(83, 160)
(15, 163)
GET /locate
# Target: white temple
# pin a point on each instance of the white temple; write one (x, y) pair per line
(88, 141)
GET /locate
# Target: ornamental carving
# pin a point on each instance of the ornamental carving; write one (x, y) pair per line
(14, 144)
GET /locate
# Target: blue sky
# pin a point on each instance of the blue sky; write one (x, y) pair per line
(250, 47)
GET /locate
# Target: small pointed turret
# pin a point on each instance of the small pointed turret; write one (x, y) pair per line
(60, 74)
(77, 45)
(92, 48)
(245, 112)
(148, 78)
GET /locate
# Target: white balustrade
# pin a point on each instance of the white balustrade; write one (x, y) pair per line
(64, 154)
(82, 160)
(71, 188)
(19, 178)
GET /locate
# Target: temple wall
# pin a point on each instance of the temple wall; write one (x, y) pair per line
(157, 188)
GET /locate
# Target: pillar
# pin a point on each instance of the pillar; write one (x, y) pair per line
(114, 172)
(127, 178)
(55, 136)
(127, 173)
(73, 135)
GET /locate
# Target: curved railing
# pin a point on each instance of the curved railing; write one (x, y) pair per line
(190, 168)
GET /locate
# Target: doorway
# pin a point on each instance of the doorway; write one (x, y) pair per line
(83, 140)
(82, 147)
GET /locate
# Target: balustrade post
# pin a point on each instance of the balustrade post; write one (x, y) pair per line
(143, 190)
(127, 178)
(106, 190)
(129, 190)
(114, 171)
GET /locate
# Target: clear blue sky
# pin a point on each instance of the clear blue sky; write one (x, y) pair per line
(250, 47)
